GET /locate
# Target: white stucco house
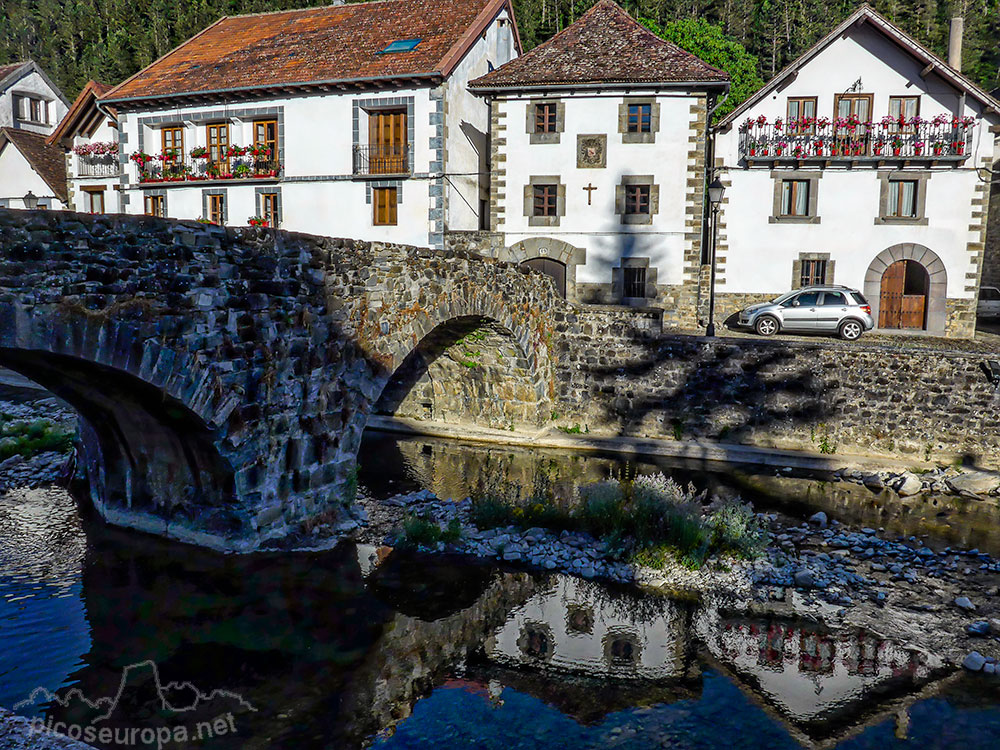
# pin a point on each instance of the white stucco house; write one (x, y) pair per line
(860, 164)
(88, 136)
(598, 161)
(29, 100)
(347, 120)
(31, 106)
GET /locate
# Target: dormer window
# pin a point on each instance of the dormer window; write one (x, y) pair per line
(31, 109)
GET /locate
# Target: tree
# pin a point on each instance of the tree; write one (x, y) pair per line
(711, 44)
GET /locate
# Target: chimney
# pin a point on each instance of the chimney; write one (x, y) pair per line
(955, 43)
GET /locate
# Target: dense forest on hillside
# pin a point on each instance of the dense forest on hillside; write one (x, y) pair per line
(75, 40)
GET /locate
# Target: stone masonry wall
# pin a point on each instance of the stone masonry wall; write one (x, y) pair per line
(225, 376)
(621, 375)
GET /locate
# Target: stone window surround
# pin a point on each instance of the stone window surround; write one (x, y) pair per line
(224, 192)
(156, 191)
(813, 178)
(887, 175)
(259, 202)
(618, 279)
(370, 184)
(654, 199)
(529, 200)
(385, 102)
(529, 121)
(797, 268)
(654, 120)
(227, 114)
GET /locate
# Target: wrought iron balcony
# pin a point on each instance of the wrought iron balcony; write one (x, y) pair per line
(381, 160)
(941, 139)
(177, 169)
(98, 165)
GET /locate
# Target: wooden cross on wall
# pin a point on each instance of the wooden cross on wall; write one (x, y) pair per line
(590, 191)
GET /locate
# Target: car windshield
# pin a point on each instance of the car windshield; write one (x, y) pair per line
(784, 297)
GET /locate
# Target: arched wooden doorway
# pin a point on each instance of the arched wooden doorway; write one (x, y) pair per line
(552, 268)
(903, 296)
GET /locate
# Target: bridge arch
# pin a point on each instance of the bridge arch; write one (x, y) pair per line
(226, 375)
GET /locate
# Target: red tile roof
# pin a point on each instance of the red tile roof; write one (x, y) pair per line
(48, 161)
(604, 46)
(337, 43)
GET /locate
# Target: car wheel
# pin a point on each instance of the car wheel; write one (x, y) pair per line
(851, 330)
(766, 325)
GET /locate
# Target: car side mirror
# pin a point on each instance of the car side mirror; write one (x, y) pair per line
(795, 303)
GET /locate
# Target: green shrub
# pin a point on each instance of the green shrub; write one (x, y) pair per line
(644, 519)
(421, 531)
(31, 438)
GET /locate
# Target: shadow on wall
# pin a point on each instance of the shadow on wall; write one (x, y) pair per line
(678, 387)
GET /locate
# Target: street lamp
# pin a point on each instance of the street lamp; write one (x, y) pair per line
(716, 190)
(30, 201)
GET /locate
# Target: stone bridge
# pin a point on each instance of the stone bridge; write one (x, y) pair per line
(224, 376)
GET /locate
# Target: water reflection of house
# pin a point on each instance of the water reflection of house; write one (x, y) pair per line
(822, 685)
(578, 627)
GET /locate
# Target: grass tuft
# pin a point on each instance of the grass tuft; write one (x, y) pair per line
(644, 519)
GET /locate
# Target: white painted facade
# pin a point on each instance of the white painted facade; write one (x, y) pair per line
(18, 177)
(569, 627)
(757, 249)
(593, 221)
(100, 173)
(30, 83)
(319, 192)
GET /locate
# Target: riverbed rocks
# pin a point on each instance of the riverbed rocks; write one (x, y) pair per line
(973, 483)
(44, 468)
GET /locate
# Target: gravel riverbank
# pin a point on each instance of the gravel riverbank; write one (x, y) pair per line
(944, 599)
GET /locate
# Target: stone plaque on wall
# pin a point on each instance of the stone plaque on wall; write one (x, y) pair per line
(591, 151)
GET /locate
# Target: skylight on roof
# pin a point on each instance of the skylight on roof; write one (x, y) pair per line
(401, 45)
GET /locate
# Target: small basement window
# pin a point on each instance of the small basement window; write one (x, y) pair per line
(401, 45)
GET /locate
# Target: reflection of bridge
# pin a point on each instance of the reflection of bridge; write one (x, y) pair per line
(225, 376)
(331, 652)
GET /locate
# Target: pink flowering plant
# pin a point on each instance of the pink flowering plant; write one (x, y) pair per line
(98, 148)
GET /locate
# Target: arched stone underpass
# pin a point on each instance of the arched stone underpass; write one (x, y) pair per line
(468, 370)
(150, 463)
(227, 375)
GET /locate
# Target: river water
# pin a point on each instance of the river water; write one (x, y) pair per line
(103, 629)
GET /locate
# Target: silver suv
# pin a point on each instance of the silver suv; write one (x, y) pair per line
(819, 309)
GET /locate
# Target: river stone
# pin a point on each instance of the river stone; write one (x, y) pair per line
(963, 602)
(974, 662)
(907, 484)
(804, 579)
(976, 482)
(819, 519)
(978, 629)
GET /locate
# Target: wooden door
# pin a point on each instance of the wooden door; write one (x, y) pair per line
(552, 268)
(903, 299)
(387, 141)
(853, 137)
(913, 309)
(218, 146)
